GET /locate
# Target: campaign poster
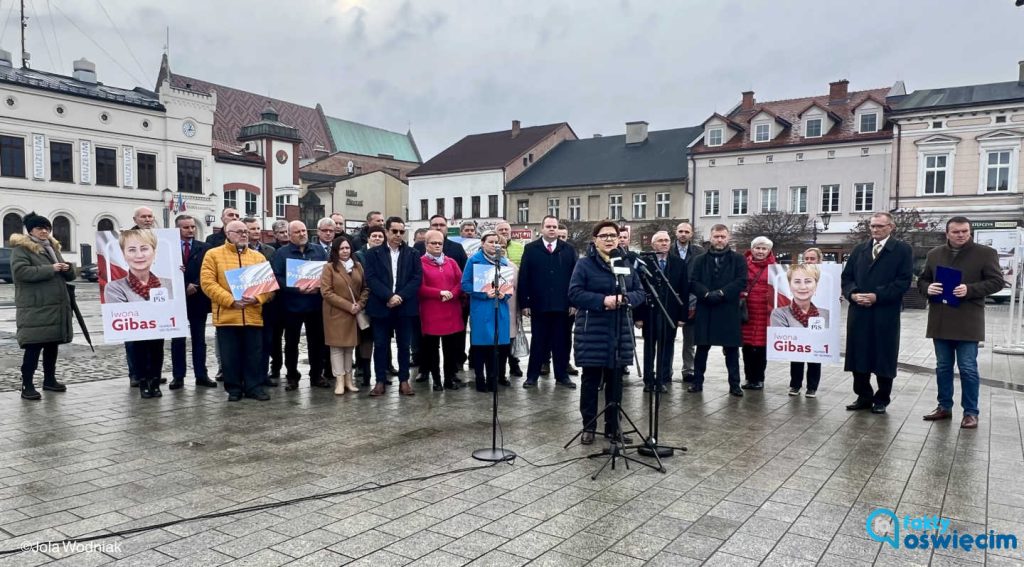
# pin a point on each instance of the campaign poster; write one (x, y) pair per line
(483, 278)
(470, 245)
(250, 281)
(805, 323)
(303, 272)
(142, 289)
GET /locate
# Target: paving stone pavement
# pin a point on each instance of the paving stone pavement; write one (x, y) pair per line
(768, 479)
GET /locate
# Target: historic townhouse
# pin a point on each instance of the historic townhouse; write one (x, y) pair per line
(826, 156)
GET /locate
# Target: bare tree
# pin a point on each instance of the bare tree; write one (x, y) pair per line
(920, 231)
(788, 231)
(579, 234)
(647, 230)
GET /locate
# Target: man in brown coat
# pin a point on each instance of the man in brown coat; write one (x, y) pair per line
(957, 325)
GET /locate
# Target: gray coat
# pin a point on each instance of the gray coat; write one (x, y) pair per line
(41, 301)
(979, 266)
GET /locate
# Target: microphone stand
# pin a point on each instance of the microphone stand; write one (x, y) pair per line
(495, 454)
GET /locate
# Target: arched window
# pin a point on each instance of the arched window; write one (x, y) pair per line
(12, 225)
(105, 224)
(62, 231)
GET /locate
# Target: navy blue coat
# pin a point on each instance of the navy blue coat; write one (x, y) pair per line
(292, 300)
(377, 265)
(595, 335)
(196, 304)
(544, 278)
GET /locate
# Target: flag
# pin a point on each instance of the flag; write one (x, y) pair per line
(170, 204)
(181, 203)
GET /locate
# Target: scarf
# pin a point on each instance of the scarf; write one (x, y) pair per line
(140, 288)
(438, 260)
(495, 259)
(47, 247)
(348, 265)
(801, 316)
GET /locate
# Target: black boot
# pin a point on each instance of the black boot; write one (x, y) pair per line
(51, 384)
(437, 383)
(28, 389)
(154, 388)
(450, 384)
(144, 388)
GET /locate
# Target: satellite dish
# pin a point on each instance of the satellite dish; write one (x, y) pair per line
(351, 168)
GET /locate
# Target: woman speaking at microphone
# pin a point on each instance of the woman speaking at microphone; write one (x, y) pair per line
(603, 337)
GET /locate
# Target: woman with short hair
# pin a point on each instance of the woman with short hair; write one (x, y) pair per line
(440, 313)
(484, 319)
(759, 296)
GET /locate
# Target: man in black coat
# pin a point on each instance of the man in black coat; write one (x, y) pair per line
(453, 250)
(373, 218)
(660, 333)
(394, 274)
(717, 279)
(877, 274)
(543, 295)
(219, 238)
(687, 250)
(197, 306)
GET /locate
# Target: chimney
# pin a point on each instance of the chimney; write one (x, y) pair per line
(319, 151)
(837, 90)
(515, 128)
(1020, 75)
(636, 132)
(5, 58)
(748, 101)
(84, 70)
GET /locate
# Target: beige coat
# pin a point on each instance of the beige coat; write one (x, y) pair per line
(338, 289)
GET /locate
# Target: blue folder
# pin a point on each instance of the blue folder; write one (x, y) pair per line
(949, 278)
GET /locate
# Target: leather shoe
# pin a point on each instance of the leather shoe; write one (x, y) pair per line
(938, 413)
(573, 371)
(260, 395)
(30, 393)
(234, 397)
(694, 389)
(587, 438)
(878, 409)
(529, 384)
(858, 405)
(321, 383)
(736, 392)
(54, 386)
(378, 390)
(291, 387)
(504, 381)
(405, 389)
(566, 383)
(206, 383)
(132, 382)
(969, 422)
(687, 378)
(176, 384)
(752, 386)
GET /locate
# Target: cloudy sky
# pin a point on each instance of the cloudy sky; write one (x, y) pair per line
(448, 68)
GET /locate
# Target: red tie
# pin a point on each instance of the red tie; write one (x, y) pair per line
(551, 247)
(186, 249)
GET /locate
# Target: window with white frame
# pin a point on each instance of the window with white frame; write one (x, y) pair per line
(251, 207)
(868, 122)
(523, 211)
(231, 199)
(553, 207)
(663, 202)
(615, 207)
(863, 197)
(935, 174)
(574, 208)
(739, 201)
(715, 137)
(997, 171)
(281, 202)
(762, 132)
(812, 128)
(798, 200)
(769, 199)
(639, 205)
(830, 198)
(711, 203)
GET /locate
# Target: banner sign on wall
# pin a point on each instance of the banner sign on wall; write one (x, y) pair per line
(806, 328)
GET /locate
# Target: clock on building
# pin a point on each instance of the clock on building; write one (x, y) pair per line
(188, 128)
(282, 156)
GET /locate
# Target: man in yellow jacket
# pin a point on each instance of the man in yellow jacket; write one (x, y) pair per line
(239, 322)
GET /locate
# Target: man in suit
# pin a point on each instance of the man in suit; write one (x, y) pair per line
(301, 306)
(197, 306)
(219, 238)
(877, 274)
(716, 280)
(687, 251)
(256, 243)
(394, 274)
(660, 334)
(543, 295)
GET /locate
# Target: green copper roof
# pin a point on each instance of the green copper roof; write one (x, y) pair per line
(352, 137)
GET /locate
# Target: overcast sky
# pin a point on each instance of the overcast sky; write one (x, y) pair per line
(448, 68)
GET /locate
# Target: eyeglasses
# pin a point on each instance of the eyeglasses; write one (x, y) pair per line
(396, 231)
(607, 236)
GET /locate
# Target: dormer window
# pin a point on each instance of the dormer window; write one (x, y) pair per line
(714, 137)
(762, 132)
(812, 128)
(868, 123)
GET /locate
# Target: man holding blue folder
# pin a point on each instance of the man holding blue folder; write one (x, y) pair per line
(956, 279)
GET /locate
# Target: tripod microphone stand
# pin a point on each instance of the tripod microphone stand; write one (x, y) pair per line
(650, 447)
(495, 454)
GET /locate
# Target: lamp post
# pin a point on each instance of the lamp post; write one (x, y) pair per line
(825, 218)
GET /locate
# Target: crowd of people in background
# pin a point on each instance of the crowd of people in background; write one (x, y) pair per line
(423, 294)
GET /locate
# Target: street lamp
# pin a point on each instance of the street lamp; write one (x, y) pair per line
(825, 218)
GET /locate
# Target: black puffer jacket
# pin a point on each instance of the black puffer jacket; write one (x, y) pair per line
(595, 335)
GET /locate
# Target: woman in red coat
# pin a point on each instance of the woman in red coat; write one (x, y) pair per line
(760, 301)
(440, 313)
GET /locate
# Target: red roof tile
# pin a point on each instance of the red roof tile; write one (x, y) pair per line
(789, 111)
(493, 150)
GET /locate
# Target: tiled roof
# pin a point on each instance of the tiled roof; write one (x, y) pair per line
(607, 160)
(953, 97)
(69, 86)
(789, 111)
(478, 152)
(352, 137)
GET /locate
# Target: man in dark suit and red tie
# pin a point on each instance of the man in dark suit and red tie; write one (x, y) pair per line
(197, 305)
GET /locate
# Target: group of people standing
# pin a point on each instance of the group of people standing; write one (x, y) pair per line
(376, 289)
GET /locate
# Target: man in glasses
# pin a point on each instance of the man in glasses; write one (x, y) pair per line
(301, 306)
(226, 216)
(451, 249)
(325, 234)
(394, 274)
